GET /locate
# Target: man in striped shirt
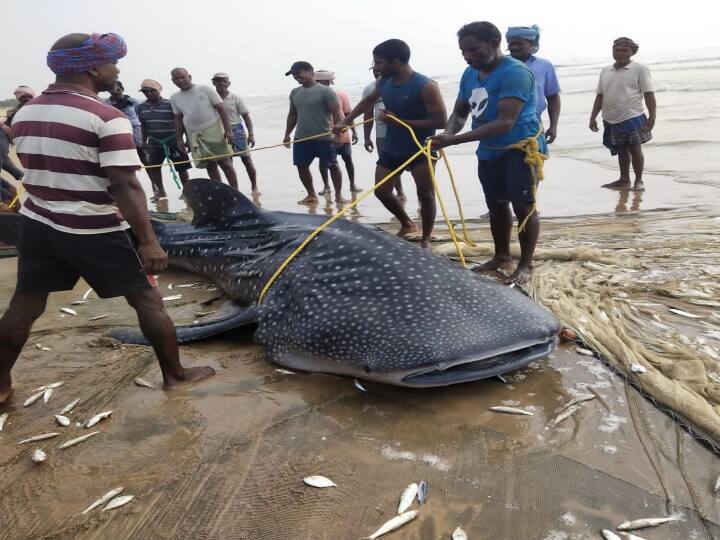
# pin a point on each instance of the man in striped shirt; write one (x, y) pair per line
(80, 163)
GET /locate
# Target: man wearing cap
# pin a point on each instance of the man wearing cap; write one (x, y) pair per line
(314, 108)
(201, 117)
(80, 163)
(620, 94)
(159, 139)
(523, 42)
(239, 118)
(128, 105)
(343, 141)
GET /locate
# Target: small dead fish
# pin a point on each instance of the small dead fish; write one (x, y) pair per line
(359, 386)
(47, 394)
(567, 413)
(204, 313)
(3, 419)
(73, 442)
(187, 285)
(38, 456)
(392, 524)
(55, 384)
(285, 372)
(422, 491)
(42, 347)
(64, 421)
(39, 438)
(95, 419)
(609, 535)
(511, 410)
(171, 298)
(586, 352)
(117, 502)
(637, 368)
(642, 523)
(512, 285)
(631, 536)
(459, 534)
(69, 407)
(319, 481)
(407, 497)
(78, 302)
(102, 500)
(716, 488)
(170, 286)
(580, 399)
(142, 382)
(684, 313)
(32, 399)
(98, 317)
(68, 311)
(87, 294)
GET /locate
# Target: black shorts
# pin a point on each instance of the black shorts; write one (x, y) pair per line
(506, 178)
(156, 156)
(305, 152)
(50, 260)
(344, 149)
(393, 161)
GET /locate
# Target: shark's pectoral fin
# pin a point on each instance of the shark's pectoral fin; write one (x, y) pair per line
(230, 317)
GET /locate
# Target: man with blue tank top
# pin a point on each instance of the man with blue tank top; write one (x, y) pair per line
(416, 100)
(499, 93)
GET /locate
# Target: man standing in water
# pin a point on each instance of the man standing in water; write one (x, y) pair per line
(313, 107)
(81, 161)
(620, 95)
(523, 42)
(416, 100)
(499, 93)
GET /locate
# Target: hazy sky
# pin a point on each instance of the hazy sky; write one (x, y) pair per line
(257, 41)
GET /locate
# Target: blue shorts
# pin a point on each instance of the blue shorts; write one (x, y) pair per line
(393, 161)
(506, 178)
(305, 152)
(239, 138)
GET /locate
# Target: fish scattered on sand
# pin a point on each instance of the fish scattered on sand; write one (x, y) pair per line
(39, 438)
(586, 352)
(142, 382)
(87, 294)
(68, 311)
(98, 317)
(359, 386)
(95, 419)
(319, 481)
(32, 399)
(392, 524)
(187, 285)
(42, 347)
(117, 502)
(170, 286)
(567, 413)
(64, 421)
(55, 384)
(609, 535)
(511, 410)
(422, 491)
(645, 522)
(38, 456)
(3, 419)
(684, 313)
(459, 534)
(47, 394)
(78, 440)
(637, 368)
(69, 407)
(78, 302)
(716, 488)
(407, 497)
(171, 298)
(102, 500)
(579, 399)
(285, 371)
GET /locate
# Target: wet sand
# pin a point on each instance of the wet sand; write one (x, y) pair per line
(226, 458)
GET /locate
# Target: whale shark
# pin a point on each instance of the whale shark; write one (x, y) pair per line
(356, 301)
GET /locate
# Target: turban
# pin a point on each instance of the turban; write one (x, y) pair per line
(24, 91)
(324, 75)
(150, 83)
(98, 49)
(531, 33)
(628, 42)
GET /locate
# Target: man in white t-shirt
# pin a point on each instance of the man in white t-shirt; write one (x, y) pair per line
(201, 116)
(620, 94)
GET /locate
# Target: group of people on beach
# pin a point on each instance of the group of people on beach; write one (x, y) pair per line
(81, 155)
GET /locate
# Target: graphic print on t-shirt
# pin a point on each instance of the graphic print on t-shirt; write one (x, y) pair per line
(478, 102)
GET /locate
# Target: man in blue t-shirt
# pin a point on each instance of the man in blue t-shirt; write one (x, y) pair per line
(499, 93)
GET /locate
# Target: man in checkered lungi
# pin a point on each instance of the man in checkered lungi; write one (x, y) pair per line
(620, 94)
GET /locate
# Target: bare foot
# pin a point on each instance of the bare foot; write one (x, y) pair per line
(310, 199)
(425, 244)
(255, 193)
(190, 375)
(340, 200)
(5, 390)
(639, 186)
(618, 184)
(407, 229)
(522, 274)
(495, 263)
(324, 191)
(355, 189)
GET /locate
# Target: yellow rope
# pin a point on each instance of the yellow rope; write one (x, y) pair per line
(18, 192)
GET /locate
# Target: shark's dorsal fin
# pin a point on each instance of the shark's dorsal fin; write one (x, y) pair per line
(215, 203)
